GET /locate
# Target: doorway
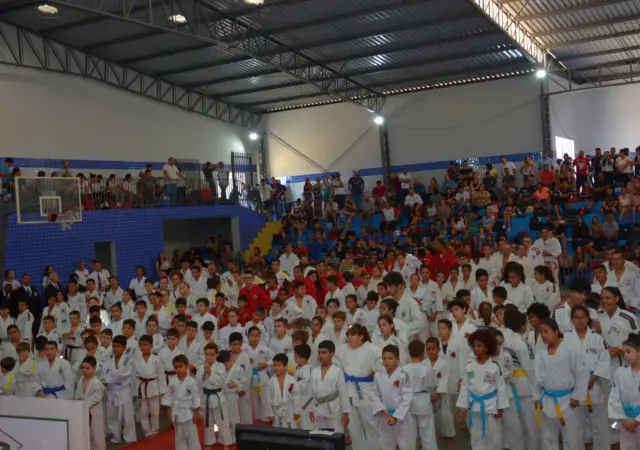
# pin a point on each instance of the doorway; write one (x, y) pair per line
(105, 252)
(565, 146)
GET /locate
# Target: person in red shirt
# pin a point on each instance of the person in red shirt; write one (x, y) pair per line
(321, 290)
(379, 191)
(545, 177)
(243, 317)
(220, 310)
(256, 296)
(440, 259)
(298, 275)
(582, 165)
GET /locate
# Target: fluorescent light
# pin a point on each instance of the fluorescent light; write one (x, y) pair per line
(541, 73)
(378, 120)
(253, 136)
(178, 18)
(253, 2)
(47, 9)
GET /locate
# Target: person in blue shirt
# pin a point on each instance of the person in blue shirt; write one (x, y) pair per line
(6, 171)
(356, 186)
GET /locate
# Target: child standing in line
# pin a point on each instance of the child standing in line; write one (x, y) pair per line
(257, 321)
(624, 400)
(152, 330)
(422, 378)
(90, 390)
(392, 398)
(282, 394)
(302, 353)
(25, 321)
(72, 338)
(211, 378)
(150, 384)
(191, 347)
(55, 374)
(260, 359)
(117, 374)
(280, 342)
(49, 331)
(140, 318)
(234, 326)
(168, 353)
(232, 381)
(28, 382)
(483, 394)
(106, 336)
(7, 377)
(238, 379)
(440, 390)
(182, 399)
(328, 398)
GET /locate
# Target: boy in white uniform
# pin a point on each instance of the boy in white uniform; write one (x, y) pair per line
(77, 301)
(55, 375)
(280, 342)
(90, 390)
(25, 321)
(452, 359)
(422, 378)
(212, 378)
(260, 358)
(302, 353)
(233, 326)
(440, 390)
(49, 331)
(191, 347)
(392, 397)
(328, 393)
(236, 379)
(27, 381)
(203, 315)
(71, 338)
(238, 389)
(7, 377)
(162, 313)
(150, 384)
(282, 404)
(140, 318)
(117, 374)
(182, 398)
(168, 353)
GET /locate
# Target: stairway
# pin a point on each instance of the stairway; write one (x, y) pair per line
(264, 239)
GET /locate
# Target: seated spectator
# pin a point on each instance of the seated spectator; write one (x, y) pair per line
(543, 196)
(331, 212)
(389, 216)
(509, 181)
(624, 202)
(560, 198)
(509, 212)
(527, 169)
(379, 192)
(420, 189)
(434, 189)
(635, 203)
(480, 198)
(444, 211)
(466, 172)
(610, 204)
(431, 213)
(349, 211)
(367, 209)
(406, 182)
(412, 198)
(458, 224)
(610, 230)
(449, 183)
(546, 177)
(463, 200)
(525, 195)
(488, 221)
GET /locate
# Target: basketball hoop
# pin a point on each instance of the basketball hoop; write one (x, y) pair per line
(65, 219)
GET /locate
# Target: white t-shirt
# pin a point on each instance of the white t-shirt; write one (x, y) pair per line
(405, 180)
(411, 200)
(337, 189)
(170, 171)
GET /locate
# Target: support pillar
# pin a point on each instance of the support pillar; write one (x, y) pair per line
(545, 119)
(385, 154)
(262, 158)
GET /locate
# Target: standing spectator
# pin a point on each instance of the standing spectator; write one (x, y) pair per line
(6, 172)
(506, 164)
(379, 192)
(405, 182)
(582, 166)
(528, 169)
(624, 165)
(266, 194)
(208, 177)
(339, 191)
(608, 161)
(546, 159)
(66, 173)
(171, 176)
(596, 163)
(222, 173)
(394, 184)
(356, 186)
(279, 197)
(466, 172)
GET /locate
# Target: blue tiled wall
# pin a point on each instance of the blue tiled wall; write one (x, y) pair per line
(137, 235)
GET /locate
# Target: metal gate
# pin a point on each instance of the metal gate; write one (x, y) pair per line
(242, 169)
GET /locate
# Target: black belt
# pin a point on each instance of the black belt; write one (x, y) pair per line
(209, 393)
(68, 351)
(169, 373)
(146, 382)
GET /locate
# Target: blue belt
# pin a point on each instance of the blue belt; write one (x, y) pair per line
(391, 411)
(52, 390)
(632, 411)
(555, 394)
(357, 381)
(480, 398)
(516, 399)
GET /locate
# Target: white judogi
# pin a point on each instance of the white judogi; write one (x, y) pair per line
(546, 293)
(562, 315)
(27, 378)
(72, 345)
(226, 331)
(371, 320)
(165, 317)
(149, 384)
(259, 379)
(598, 363)
(360, 362)
(379, 341)
(24, 322)
(92, 396)
(183, 397)
(56, 375)
(629, 285)
(338, 295)
(240, 374)
(303, 378)
(478, 296)
(214, 403)
(423, 384)
(283, 345)
(481, 380)
(535, 343)
(521, 296)
(522, 383)
(625, 392)
(393, 393)
(194, 351)
(329, 398)
(264, 333)
(615, 330)
(358, 317)
(166, 356)
(444, 406)
(119, 380)
(112, 297)
(141, 325)
(78, 303)
(307, 305)
(4, 324)
(281, 404)
(410, 313)
(116, 327)
(100, 355)
(561, 372)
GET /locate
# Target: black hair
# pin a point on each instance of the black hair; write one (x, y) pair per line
(327, 345)
(392, 348)
(416, 348)
(281, 358)
(514, 320)
(224, 356)
(499, 291)
(121, 340)
(391, 304)
(146, 338)
(90, 360)
(446, 322)
(581, 285)
(487, 338)
(540, 310)
(8, 363)
(303, 351)
(433, 340)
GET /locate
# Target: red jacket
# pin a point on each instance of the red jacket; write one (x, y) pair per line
(223, 320)
(311, 289)
(443, 262)
(256, 296)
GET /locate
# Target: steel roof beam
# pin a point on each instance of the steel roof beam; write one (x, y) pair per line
(376, 69)
(587, 26)
(324, 43)
(569, 10)
(315, 44)
(600, 53)
(21, 48)
(252, 43)
(421, 79)
(603, 37)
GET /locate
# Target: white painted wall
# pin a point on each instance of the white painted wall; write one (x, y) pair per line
(48, 115)
(605, 118)
(485, 119)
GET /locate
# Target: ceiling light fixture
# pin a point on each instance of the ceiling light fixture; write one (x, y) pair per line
(178, 18)
(253, 136)
(253, 2)
(47, 9)
(378, 120)
(541, 73)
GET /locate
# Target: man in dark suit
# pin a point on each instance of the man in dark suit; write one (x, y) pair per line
(53, 288)
(32, 296)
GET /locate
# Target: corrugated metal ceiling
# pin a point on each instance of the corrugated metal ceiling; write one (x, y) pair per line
(384, 44)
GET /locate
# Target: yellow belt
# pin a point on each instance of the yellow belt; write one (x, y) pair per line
(518, 373)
